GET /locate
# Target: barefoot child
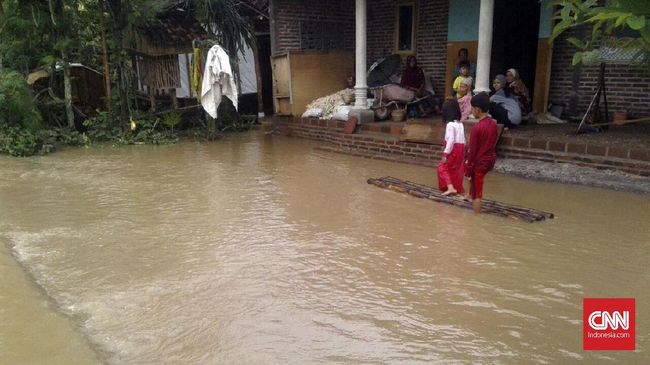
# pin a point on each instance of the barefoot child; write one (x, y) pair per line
(481, 155)
(450, 170)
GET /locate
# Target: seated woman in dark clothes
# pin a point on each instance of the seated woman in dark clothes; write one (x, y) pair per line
(413, 76)
(413, 79)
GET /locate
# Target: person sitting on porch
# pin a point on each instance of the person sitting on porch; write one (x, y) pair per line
(413, 76)
(464, 75)
(463, 59)
(450, 169)
(503, 107)
(464, 97)
(519, 90)
(413, 79)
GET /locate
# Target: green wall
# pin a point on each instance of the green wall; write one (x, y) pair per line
(464, 15)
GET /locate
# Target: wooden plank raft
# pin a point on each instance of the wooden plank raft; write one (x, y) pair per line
(487, 206)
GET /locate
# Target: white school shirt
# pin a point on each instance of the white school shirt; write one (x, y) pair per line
(455, 133)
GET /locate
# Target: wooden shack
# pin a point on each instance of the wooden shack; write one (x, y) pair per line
(157, 49)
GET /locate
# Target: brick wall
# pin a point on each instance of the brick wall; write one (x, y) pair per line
(432, 41)
(431, 32)
(628, 87)
(289, 13)
(431, 29)
(384, 144)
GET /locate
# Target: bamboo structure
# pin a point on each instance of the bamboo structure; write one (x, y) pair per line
(487, 206)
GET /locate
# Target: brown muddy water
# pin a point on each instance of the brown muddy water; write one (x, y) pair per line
(258, 249)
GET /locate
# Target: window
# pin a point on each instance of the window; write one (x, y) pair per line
(406, 28)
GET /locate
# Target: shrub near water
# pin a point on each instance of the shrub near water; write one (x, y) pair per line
(19, 119)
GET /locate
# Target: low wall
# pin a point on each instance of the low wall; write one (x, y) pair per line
(382, 142)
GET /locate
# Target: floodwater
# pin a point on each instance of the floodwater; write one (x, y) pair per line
(259, 249)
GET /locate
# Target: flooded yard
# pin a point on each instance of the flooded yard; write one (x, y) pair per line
(260, 249)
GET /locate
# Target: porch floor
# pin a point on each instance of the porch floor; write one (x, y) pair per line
(631, 135)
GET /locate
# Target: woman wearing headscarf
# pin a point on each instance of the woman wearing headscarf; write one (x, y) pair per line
(413, 79)
(519, 90)
(503, 107)
(413, 76)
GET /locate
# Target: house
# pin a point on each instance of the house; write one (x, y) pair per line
(163, 56)
(499, 34)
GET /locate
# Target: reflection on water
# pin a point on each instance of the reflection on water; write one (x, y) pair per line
(259, 249)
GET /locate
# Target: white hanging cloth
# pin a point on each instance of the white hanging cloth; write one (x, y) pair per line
(218, 81)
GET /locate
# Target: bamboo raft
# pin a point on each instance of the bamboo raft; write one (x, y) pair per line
(487, 206)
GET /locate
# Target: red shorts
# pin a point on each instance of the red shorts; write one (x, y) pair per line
(476, 185)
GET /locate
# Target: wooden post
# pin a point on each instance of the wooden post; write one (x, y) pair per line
(189, 74)
(212, 126)
(172, 93)
(152, 99)
(258, 73)
(67, 88)
(107, 74)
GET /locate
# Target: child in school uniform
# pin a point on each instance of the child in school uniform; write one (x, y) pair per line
(481, 155)
(450, 169)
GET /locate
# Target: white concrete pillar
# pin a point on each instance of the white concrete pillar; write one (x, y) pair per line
(484, 46)
(361, 85)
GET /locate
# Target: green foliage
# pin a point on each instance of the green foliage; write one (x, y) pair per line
(18, 142)
(148, 130)
(16, 106)
(172, 119)
(607, 22)
(63, 136)
(103, 127)
(35, 33)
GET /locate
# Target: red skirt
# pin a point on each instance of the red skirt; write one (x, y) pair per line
(452, 172)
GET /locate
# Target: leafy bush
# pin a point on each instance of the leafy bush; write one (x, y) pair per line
(16, 105)
(172, 119)
(64, 136)
(146, 132)
(103, 127)
(18, 142)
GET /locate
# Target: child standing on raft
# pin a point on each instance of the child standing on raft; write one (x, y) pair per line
(481, 155)
(450, 170)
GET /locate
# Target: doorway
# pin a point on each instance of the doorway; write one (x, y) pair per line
(264, 54)
(515, 37)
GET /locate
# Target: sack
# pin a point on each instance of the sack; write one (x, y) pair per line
(397, 93)
(341, 112)
(313, 113)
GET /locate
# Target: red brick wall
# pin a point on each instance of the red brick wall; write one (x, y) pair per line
(432, 40)
(431, 29)
(385, 145)
(289, 14)
(628, 87)
(381, 29)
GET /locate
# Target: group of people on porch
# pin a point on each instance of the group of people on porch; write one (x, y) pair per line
(509, 98)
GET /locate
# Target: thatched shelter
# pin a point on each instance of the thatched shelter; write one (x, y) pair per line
(158, 47)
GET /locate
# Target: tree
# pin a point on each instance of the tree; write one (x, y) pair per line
(622, 25)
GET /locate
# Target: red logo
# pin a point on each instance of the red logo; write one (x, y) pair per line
(608, 323)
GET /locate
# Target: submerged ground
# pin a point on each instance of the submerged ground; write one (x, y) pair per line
(260, 249)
